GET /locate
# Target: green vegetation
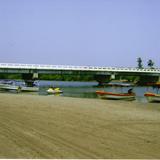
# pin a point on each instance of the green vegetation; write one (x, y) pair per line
(10, 76)
(150, 63)
(144, 80)
(55, 77)
(139, 61)
(66, 77)
(133, 79)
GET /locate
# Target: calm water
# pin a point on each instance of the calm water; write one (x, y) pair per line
(86, 89)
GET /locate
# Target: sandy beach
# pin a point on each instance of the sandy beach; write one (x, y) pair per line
(33, 126)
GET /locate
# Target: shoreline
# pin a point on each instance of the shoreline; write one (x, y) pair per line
(34, 126)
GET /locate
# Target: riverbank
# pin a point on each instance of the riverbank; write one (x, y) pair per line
(33, 126)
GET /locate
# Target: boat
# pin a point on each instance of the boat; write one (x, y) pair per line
(10, 87)
(26, 88)
(54, 90)
(116, 96)
(29, 89)
(120, 84)
(152, 97)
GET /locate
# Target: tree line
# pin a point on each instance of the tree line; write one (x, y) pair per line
(150, 63)
(56, 77)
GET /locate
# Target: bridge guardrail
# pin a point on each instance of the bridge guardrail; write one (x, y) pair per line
(78, 68)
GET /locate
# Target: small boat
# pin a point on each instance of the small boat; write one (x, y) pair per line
(116, 96)
(54, 91)
(10, 87)
(26, 88)
(152, 97)
(29, 89)
(120, 84)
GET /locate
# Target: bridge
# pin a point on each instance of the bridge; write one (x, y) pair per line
(31, 71)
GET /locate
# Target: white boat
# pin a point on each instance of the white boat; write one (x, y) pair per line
(10, 87)
(54, 91)
(120, 84)
(34, 88)
(115, 96)
(152, 97)
(29, 89)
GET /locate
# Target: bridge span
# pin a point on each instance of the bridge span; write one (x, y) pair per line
(35, 69)
(41, 68)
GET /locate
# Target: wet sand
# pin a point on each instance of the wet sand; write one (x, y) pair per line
(60, 127)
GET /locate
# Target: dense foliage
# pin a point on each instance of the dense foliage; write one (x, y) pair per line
(141, 80)
(51, 77)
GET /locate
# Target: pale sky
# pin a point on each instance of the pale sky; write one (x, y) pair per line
(80, 32)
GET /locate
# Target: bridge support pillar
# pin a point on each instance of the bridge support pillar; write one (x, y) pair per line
(113, 76)
(29, 78)
(158, 79)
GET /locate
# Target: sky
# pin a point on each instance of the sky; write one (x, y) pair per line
(80, 32)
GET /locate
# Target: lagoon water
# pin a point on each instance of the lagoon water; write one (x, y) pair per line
(86, 89)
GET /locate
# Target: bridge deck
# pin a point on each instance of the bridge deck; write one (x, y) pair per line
(77, 68)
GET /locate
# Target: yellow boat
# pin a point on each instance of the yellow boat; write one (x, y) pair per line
(54, 90)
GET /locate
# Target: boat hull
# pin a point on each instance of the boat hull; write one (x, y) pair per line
(9, 87)
(152, 97)
(115, 96)
(29, 89)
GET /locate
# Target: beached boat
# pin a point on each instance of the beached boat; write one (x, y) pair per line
(26, 88)
(29, 89)
(115, 96)
(10, 87)
(54, 91)
(152, 97)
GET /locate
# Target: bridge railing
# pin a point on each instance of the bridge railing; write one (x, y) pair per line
(78, 68)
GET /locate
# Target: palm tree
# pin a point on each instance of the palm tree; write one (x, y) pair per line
(139, 60)
(150, 63)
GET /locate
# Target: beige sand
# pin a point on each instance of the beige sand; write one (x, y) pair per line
(59, 127)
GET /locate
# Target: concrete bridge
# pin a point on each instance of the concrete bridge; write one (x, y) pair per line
(31, 71)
